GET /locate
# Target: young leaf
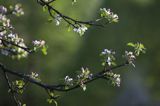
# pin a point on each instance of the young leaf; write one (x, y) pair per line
(44, 50)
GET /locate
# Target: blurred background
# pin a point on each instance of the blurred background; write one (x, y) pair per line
(68, 52)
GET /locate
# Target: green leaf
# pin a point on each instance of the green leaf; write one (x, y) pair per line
(19, 83)
(24, 105)
(50, 19)
(51, 93)
(138, 48)
(55, 102)
(20, 91)
(44, 8)
(44, 50)
(114, 64)
(52, 3)
(131, 44)
(11, 7)
(49, 101)
(69, 28)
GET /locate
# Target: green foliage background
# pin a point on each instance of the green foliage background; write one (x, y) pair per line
(68, 52)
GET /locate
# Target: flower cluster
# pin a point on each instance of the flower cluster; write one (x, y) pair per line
(18, 86)
(130, 57)
(17, 10)
(83, 77)
(107, 14)
(19, 83)
(114, 78)
(3, 10)
(108, 57)
(68, 81)
(35, 76)
(10, 43)
(85, 74)
(80, 29)
(58, 19)
(38, 43)
(80, 80)
(4, 23)
(17, 41)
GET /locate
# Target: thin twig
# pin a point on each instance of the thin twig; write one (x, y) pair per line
(13, 93)
(68, 19)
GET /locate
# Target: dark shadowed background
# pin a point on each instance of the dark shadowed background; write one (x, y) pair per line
(68, 52)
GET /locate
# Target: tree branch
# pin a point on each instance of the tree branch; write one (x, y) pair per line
(68, 19)
(24, 48)
(60, 87)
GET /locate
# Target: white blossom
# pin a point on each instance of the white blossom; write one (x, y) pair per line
(4, 52)
(115, 78)
(3, 10)
(108, 56)
(2, 33)
(2, 17)
(130, 57)
(83, 86)
(106, 12)
(118, 81)
(80, 29)
(68, 80)
(110, 16)
(107, 52)
(17, 10)
(58, 19)
(11, 35)
(13, 45)
(35, 76)
(4, 21)
(38, 43)
(109, 61)
(9, 48)
(85, 74)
